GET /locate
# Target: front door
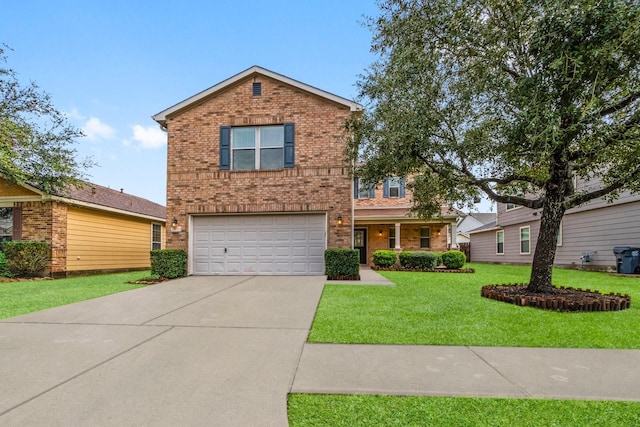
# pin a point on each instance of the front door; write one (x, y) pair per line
(360, 243)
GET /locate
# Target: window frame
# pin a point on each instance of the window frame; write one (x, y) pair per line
(498, 242)
(257, 148)
(394, 184)
(528, 228)
(392, 237)
(428, 237)
(559, 240)
(153, 241)
(365, 191)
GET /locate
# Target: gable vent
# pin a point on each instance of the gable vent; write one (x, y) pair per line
(257, 89)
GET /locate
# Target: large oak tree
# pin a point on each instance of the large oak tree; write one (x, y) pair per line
(512, 99)
(35, 138)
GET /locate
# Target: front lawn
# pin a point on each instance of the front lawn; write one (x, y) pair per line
(18, 298)
(359, 410)
(446, 309)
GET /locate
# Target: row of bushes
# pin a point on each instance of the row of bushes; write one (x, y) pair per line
(419, 260)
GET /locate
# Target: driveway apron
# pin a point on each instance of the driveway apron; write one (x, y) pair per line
(210, 351)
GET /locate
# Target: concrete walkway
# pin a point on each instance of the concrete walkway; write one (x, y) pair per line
(226, 351)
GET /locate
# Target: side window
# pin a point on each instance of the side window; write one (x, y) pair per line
(500, 242)
(525, 240)
(156, 236)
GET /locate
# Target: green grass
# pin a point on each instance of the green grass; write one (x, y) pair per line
(18, 298)
(446, 309)
(359, 410)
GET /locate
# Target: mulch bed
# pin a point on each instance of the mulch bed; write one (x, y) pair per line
(421, 270)
(356, 277)
(148, 281)
(563, 299)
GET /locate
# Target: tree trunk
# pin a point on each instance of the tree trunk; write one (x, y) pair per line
(542, 266)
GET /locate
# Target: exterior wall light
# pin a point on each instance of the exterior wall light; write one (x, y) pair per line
(380, 233)
(339, 219)
(174, 222)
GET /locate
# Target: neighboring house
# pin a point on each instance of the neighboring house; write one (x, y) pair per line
(383, 221)
(257, 182)
(470, 222)
(90, 229)
(586, 238)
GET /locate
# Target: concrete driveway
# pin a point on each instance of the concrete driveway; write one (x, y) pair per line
(210, 351)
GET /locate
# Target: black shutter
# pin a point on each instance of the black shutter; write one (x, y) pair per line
(225, 147)
(385, 188)
(356, 194)
(289, 145)
(403, 183)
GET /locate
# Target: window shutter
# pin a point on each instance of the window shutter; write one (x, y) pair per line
(372, 191)
(289, 138)
(356, 192)
(385, 188)
(403, 182)
(225, 147)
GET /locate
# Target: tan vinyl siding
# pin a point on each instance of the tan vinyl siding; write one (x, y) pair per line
(101, 241)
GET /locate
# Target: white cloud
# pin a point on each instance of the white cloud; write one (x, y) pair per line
(150, 137)
(75, 114)
(95, 130)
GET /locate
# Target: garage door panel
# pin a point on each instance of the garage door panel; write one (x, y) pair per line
(259, 244)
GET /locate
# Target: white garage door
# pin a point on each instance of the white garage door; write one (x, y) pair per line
(259, 244)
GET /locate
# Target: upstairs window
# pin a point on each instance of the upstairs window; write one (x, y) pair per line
(394, 187)
(257, 147)
(362, 190)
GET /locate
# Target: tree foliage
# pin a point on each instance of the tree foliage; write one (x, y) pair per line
(511, 99)
(35, 137)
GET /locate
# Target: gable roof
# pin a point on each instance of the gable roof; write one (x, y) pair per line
(162, 116)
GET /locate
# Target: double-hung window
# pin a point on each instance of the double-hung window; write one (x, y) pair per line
(362, 190)
(257, 147)
(394, 187)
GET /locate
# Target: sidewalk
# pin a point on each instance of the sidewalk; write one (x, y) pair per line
(545, 373)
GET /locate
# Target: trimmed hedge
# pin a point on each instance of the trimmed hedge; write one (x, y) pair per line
(4, 270)
(384, 258)
(26, 258)
(169, 263)
(454, 259)
(340, 262)
(423, 260)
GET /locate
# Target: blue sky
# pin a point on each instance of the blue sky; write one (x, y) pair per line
(112, 64)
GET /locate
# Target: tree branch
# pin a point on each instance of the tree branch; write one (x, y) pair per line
(620, 105)
(582, 198)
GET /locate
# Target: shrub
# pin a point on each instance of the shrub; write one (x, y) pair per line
(169, 263)
(384, 258)
(422, 260)
(4, 270)
(454, 259)
(26, 258)
(342, 262)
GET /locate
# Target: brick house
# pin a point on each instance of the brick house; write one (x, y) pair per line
(256, 178)
(90, 229)
(382, 221)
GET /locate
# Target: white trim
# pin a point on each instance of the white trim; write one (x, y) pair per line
(520, 240)
(161, 117)
(559, 240)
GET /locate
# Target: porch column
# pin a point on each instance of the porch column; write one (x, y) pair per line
(454, 231)
(398, 235)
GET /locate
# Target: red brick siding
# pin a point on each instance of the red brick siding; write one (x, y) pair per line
(319, 182)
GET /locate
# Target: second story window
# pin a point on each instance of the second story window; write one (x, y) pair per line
(362, 190)
(257, 147)
(394, 187)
